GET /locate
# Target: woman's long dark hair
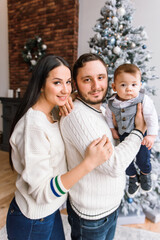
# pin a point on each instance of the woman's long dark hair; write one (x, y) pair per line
(37, 81)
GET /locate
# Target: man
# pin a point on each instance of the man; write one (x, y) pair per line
(93, 202)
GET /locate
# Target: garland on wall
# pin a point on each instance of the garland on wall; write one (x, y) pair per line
(34, 49)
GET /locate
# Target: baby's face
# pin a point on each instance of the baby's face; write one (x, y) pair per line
(127, 85)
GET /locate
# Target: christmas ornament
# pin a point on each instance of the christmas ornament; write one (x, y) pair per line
(133, 45)
(33, 50)
(114, 20)
(144, 46)
(130, 200)
(94, 51)
(112, 40)
(121, 11)
(117, 50)
(33, 62)
(128, 62)
(120, 27)
(109, 53)
(44, 47)
(118, 36)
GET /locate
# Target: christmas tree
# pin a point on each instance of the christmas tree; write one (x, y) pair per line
(118, 42)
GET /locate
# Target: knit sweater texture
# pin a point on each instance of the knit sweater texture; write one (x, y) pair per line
(38, 155)
(99, 193)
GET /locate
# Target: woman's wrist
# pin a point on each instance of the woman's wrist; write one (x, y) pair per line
(87, 164)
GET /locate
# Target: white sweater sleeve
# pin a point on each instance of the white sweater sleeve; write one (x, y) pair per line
(150, 116)
(37, 172)
(79, 130)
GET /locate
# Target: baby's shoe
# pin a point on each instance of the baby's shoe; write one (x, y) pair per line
(133, 186)
(145, 182)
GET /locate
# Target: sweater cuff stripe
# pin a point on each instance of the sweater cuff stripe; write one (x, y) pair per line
(61, 184)
(58, 187)
(52, 188)
(137, 133)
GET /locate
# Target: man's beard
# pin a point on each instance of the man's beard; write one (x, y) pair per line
(92, 102)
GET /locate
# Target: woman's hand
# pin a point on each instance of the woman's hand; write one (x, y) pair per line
(99, 151)
(139, 119)
(67, 108)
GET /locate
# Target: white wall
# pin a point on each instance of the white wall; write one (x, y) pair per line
(146, 14)
(4, 65)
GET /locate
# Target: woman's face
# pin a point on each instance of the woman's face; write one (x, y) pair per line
(58, 86)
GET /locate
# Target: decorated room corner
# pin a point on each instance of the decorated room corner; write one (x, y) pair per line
(118, 42)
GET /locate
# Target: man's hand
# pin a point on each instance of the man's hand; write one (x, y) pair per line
(114, 133)
(148, 141)
(139, 119)
(114, 120)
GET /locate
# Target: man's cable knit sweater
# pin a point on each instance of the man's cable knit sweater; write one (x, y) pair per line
(38, 156)
(99, 193)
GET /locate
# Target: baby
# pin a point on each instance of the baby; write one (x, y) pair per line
(120, 114)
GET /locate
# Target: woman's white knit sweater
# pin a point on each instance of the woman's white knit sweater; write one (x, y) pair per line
(99, 193)
(38, 155)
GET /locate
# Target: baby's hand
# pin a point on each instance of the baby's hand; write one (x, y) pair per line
(148, 141)
(114, 133)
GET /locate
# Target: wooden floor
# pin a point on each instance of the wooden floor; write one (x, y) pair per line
(7, 188)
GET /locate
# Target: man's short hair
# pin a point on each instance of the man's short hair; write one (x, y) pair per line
(87, 57)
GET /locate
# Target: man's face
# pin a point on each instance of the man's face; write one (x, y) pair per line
(92, 83)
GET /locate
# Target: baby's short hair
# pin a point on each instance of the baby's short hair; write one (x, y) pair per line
(127, 68)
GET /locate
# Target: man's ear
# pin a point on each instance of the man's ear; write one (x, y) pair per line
(114, 87)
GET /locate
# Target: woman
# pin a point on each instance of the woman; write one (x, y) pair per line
(38, 155)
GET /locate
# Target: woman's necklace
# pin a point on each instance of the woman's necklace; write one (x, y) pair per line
(50, 117)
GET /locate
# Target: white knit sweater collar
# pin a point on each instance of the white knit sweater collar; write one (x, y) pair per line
(96, 110)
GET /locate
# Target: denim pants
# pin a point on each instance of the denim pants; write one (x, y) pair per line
(142, 159)
(82, 229)
(21, 228)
